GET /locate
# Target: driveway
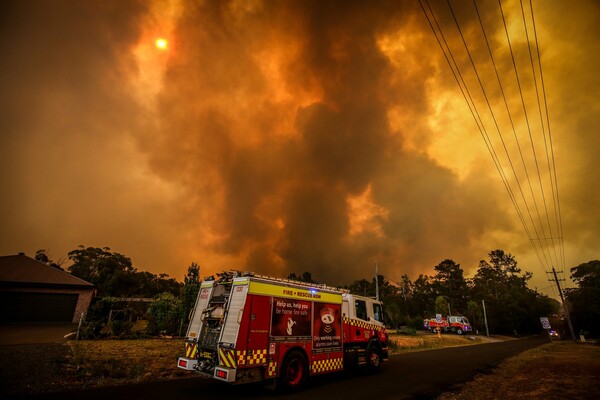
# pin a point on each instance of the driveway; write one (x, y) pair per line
(34, 334)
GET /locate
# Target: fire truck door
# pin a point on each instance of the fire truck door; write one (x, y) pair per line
(258, 335)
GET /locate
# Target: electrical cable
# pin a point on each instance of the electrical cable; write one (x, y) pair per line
(476, 117)
(492, 114)
(554, 183)
(551, 237)
(539, 242)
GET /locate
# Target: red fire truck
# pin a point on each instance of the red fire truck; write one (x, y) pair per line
(453, 323)
(247, 328)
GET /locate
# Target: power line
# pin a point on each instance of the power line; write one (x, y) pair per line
(527, 122)
(505, 104)
(474, 112)
(492, 114)
(537, 94)
(553, 183)
(544, 244)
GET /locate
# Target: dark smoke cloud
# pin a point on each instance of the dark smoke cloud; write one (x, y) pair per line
(340, 145)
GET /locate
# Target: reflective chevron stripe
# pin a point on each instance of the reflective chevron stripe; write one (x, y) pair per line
(190, 350)
(227, 358)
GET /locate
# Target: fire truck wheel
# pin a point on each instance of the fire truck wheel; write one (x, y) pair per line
(459, 331)
(373, 358)
(294, 372)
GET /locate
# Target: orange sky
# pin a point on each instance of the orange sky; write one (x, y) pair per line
(285, 137)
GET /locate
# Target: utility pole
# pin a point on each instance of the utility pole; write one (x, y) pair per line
(562, 298)
(376, 282)
(487, 331)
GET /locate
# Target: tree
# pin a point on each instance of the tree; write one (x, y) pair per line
(362, 287)
(303, 277)
(105, 269)
(423, 299)
(474, 314)
(114, 275)
(191, 287)
(449, 281)
(585, 299)
(441, 305)
(42, 256)
(512, 307)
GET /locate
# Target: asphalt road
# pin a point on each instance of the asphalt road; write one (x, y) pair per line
(420, 375)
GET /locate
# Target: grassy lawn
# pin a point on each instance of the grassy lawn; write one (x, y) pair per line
(126, 360)
(404, 344)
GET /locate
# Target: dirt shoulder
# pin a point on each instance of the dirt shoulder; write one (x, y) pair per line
(557, 370)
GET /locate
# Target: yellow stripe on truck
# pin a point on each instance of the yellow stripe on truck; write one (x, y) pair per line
(270, 289)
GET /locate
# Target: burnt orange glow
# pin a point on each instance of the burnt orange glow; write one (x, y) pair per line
(282, 137)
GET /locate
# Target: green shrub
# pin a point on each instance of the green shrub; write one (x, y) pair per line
(164, 315)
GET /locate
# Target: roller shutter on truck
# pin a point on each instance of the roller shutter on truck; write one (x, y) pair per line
(234, 314)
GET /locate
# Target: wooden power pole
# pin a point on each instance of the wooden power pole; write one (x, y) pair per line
(562, 298)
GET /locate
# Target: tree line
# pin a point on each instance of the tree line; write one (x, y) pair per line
(511, 306)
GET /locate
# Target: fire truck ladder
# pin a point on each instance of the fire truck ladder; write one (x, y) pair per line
(213, 317)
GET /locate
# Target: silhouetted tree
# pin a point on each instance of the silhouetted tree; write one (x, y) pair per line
(114, 275)
(449, 281)
(191, 287)
(585, 299)
(42, 256)
(512, 307)
(303, 277)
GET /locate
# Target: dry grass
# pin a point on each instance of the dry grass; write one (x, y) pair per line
(404, 344)
(100, 361)
(559, 370)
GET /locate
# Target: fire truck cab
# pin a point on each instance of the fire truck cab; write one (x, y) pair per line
(247, 328)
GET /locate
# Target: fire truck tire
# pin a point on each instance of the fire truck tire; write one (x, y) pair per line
(294, 372)
(459, 331)
(373, 357)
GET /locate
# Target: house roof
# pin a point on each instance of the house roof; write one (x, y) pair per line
(22, 270)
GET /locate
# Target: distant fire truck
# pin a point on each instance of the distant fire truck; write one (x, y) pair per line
(247, 328)
(453, 323)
